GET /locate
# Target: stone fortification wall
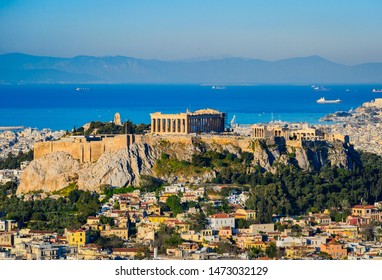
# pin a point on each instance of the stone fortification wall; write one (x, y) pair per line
(91, 150)
(244, 143)
(239, 141)
(88, 150)
(82, 150)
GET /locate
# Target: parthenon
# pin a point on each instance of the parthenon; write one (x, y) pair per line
(201, 121)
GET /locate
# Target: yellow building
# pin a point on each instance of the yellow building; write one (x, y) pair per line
(245, 241)
(157, 219)
(77, 237)
(344, 231)
(261, 245)
(245, 214)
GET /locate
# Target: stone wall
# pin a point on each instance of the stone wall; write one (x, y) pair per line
(84, 151)
(91, 150)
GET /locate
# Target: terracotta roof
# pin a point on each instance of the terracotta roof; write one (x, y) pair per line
(91, 246)
(365, 206)
(220, 216)
(76, 230)
(225, 228)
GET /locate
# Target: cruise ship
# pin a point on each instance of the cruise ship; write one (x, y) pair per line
(322, 100)
(376, 90)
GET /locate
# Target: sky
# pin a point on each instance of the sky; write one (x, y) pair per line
(344, 31)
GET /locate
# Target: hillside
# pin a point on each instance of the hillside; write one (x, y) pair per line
(179, 162)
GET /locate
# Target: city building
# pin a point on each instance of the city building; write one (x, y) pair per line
(334, 249)
(77, 237)
(218, 221)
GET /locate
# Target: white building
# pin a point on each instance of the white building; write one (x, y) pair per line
(218, 221)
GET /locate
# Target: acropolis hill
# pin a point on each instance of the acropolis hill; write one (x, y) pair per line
(119, 160)
(182, 128)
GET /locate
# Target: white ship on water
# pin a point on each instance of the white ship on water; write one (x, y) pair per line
(322, 100)
(82, 89)
(320, 88)
(218, 87)
(376, 90)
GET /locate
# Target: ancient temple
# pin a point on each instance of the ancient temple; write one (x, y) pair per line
(201, 121)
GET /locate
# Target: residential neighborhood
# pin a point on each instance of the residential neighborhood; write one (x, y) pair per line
(149, 225)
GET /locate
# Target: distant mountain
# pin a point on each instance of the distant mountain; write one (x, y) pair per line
(22, 68)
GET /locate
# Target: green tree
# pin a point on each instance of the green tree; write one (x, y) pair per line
(271, 250)
(255, 253)
(197, 221)
(149, 183)
(175, 204)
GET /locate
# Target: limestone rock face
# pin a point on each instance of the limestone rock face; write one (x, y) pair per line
(119, 168)
(124, 167)
(309, 156)
(57, 170)
(49, 173)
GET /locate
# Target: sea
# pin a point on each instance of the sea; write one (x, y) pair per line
(65, 106)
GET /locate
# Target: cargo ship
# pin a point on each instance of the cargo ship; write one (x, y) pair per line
(322, 100)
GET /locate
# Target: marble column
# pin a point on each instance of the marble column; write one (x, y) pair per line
(152, 126)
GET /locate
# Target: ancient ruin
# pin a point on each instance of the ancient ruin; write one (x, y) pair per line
(201, 121)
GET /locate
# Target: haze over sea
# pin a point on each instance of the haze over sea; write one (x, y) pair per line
(63, 107)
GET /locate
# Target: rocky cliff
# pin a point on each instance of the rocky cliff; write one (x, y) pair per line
(124, 167)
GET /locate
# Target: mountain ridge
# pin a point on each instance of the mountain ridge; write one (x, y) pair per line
(25, 68)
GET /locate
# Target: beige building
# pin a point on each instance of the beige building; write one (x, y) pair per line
(6, 239)
(205, 120)
(121, 232)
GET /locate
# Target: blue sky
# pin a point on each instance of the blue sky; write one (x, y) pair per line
(343, 31)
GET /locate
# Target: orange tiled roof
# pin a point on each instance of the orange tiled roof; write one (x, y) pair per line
(364, 206)
(76, 230)
(220, 216)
